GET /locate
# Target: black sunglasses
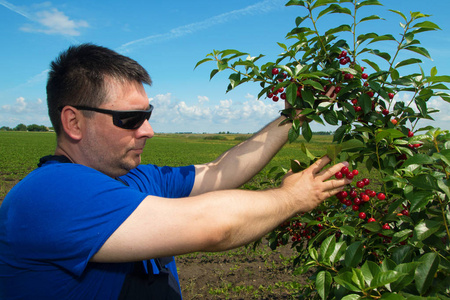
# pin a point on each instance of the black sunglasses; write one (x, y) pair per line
(126, 119)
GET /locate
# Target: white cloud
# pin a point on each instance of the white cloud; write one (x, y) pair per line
(22, 106)
(47, 19)
(171, 115)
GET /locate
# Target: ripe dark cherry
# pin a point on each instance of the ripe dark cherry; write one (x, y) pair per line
(345, 170)
(381, 196)
(362, 215)
(275, 71)
(338, 175)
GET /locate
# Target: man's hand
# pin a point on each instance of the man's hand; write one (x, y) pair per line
(312, 186)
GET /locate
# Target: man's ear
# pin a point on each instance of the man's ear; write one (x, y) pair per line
(72, 121)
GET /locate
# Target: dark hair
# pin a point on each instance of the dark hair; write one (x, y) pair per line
(77, 77)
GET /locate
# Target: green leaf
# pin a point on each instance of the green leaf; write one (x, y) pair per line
(426, 228)
(346, 280)
(341, 28)
(353, 255)
(308, 97)
(213, 72)
(338, 252)
(202, 61)
(419, 50)
(385, 37)
(409, 61)
(393, 133)
(306, 131)
(352, 144)
(369, 18)
(333, 151)
(370, 270)
(326, 249)
(419, 199)
(365, 102)
(399, 13)
(426, 271)
(323, 283)
(322, 3)
(433, 71)
(372, 64)
(314, 84)
(348, 230)
(383, 55)
(295, 166)
(235, 79)
(300, 20)
(418, 159)
(384, 278)
(443, 78)
(358, 278)
(368, 2)
(427, 24)
(291, 93)
(330, 117)
(424, 181)
(408, 269)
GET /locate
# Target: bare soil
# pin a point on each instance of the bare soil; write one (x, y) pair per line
(239, 274)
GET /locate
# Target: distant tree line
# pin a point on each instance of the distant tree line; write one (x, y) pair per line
(23, 127)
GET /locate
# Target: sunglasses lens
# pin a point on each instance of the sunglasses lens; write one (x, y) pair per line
(132, 120)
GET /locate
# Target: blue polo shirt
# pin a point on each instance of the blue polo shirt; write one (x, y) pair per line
(55, 219)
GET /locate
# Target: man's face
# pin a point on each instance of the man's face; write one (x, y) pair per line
(111, 149)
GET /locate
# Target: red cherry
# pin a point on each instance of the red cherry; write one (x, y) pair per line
(362, 69)
(417, 145)
(386, 226)
(270, 95)
(410, 133)
(360, 184)
(343, 61)
(337, 89)
(349, 175)
(355, 207)
(348, 202)
(364, 76)
(355, 172)
(405, 212)
(275, 98)
(366, 181)
(357, 201)
(348, 76)
(345, 170)
(370, 93)
(394, 121)
(283, 96)
(371, 220)
(362, 215)
(275, 71)
(391, 95)
(365, 198)
(385, 111)
(353, 194)
(338, 175)
(280, 90)
(381, 196)
(354, 101)
(343, 53)
(357, 108)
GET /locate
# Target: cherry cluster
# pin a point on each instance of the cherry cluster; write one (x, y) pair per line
(356, 196)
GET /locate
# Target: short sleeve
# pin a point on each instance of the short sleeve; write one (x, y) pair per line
(168, 182)
(70, 211)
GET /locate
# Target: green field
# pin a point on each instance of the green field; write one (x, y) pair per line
(20, 151)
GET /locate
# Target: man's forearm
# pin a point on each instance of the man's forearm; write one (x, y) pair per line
(239, 164)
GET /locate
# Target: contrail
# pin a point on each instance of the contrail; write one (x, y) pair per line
(15, 9)
(258, 8)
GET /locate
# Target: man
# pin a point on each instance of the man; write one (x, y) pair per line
(92, 223)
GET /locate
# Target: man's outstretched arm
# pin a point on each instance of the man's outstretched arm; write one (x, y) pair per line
(218, 220)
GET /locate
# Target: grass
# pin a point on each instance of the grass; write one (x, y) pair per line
(20, 151)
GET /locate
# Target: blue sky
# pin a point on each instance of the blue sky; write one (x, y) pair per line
(168, 38)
